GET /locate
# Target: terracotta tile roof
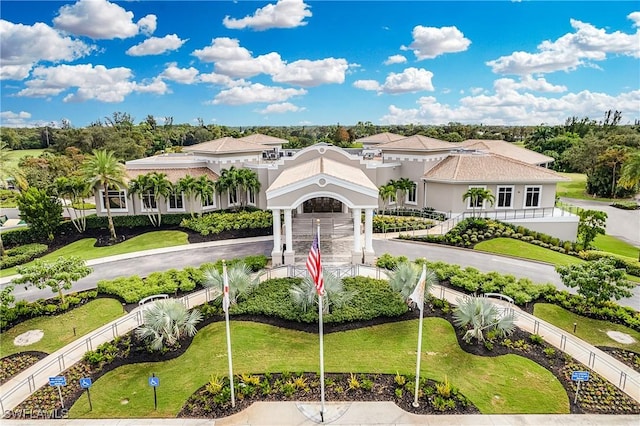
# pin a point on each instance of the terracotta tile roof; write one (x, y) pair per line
(488, 168)
(259, 138)
(380, 138)
(325, 166)
(507, 149)
(417, 143)
(226, 145)
(174, 174)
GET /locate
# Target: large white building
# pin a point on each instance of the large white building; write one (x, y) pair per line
(326, 179)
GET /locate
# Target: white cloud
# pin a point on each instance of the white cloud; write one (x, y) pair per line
(395, 59)
(367, 85)
(572, 50)
(156, 86)
(156, 45)
(14, 119)
(221, 80)
(512, 108)
(22, 46)
(180, 75)
(98, 83)
(280, 108)
(409, 80)
(476, 90)
(430, 42)
(308, 73)
(256, 93)
(283, 14)
(528, 83)
(100, 19)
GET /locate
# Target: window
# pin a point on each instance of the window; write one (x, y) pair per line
(412, 195)
(149, 202)
(208, 201)
(233, 197)
(532, 196)
(116, 199)
(176, 201)
(251, 197)
(475, 203)
(505, 197)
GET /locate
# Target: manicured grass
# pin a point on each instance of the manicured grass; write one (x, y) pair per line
(58, 330)
(616, 246)
(504, 384)
(577, 187)
(590, 330)
(13, 158)
(85, 250)
(517, 248)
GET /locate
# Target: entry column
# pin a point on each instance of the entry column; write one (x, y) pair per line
(369, 254)
(356, 256)
(289, 254)
(276, 253)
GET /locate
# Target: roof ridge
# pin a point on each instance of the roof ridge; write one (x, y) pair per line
(457, 169)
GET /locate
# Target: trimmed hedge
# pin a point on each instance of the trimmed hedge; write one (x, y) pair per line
(22, 254)
(631, 266)
(215, 223)
(396, 223)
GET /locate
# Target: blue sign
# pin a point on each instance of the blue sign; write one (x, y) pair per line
(85, 382)
(57, 381)
(580, 376)
(154, 381)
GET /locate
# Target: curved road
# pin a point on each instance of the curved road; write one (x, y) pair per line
(196, 254)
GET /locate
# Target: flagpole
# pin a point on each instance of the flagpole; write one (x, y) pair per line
(320, 329)
(415, 398)
(225, 305)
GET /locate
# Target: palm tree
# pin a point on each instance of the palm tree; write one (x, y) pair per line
(305, 295)
(247, 181)
(102, 168)
(189, 186)
(387, 193)
(240, 281)
(74, 190)
(229, 181)
(166, 322)
(205, 188)
(477, 314)
(155, 184)
(630, 176)
(404, 278)
(160, 187)
(403, 186)
(477, 197)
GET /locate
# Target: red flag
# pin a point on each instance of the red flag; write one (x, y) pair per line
(315, 267)
(226, 302)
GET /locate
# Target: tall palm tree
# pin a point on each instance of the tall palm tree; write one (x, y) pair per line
(478, 196)
(247, 181)
(188, 185)
(478, 314)
(404, 278)
(103, 169)
(166, 322)
(160, 187)
(74, 190)
(305, 295)
(205, 188)
(403, 186)
(155, 184)
(240, 281)
(387, 193)
(228, 182)
(630, 176)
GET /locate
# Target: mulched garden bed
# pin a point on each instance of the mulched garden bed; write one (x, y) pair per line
(629, 358)
(12, 365)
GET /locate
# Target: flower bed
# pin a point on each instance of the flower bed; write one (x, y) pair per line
(16, 363)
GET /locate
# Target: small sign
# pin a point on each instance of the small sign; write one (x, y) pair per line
(57, 381)
(580, 376)
(154, 381)
(85, 382)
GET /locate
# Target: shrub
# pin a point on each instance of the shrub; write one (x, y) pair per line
(387, 261)
(22, 254)
(215, 223)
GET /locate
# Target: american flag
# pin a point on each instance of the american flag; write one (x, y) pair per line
(315, 267)
(225, 297)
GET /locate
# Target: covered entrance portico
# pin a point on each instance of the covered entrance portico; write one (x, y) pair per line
(322, 179)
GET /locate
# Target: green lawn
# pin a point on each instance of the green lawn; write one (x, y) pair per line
(504, 384)
(58, 330)
(517, 248)
(84, 248)
(576, 188)
(15, 156)
(590, 330)
(616, 246)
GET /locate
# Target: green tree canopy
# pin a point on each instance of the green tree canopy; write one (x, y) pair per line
(41, 211)
(598, 281)
(591, 224)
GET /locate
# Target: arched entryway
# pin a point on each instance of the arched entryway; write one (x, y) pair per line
(322, 205)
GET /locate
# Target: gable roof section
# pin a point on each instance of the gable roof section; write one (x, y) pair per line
(489, 168)
(259, 138)
(322, 166)
(417, 143)
(174, 174)
(226, 145)
(380, 138)
(507, 149)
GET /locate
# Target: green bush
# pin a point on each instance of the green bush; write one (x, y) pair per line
(396, 223)
(22, 254)
(387, 261)
(631, 266)
(215, 223)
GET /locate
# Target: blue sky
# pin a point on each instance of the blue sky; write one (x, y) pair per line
(295, 62)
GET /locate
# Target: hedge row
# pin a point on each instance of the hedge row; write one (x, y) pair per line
(22, 254)
(215, 223)
(396, 223)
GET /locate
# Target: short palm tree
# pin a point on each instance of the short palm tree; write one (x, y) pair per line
(188, 186)
(477, 315)
(158, 186)
(205, 188)
(387, 193)
(103, 169)
(403, 186)
(630, 176)
(404, 278)
(166, 322)
(229, 182)
(304, 295)
(478, 196)
(240, 281)
(247, 181)
(74, 190)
